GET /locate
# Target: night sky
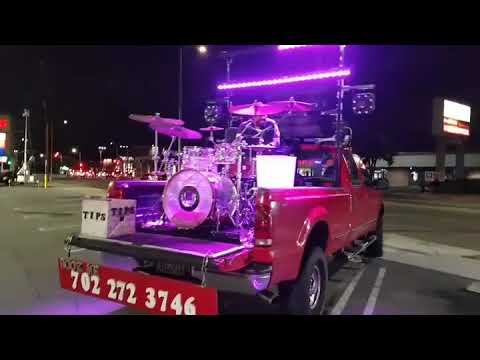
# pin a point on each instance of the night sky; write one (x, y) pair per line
(95, 88)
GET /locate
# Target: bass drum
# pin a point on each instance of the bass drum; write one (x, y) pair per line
(192, 197)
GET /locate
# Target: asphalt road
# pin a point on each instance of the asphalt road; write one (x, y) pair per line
(431, 256)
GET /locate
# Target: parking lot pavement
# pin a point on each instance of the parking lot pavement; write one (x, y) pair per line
(431, 257)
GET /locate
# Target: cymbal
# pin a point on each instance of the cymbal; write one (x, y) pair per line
(178, 132)
(156, 120)
(292, 106)
(256, 109)
(211, 128)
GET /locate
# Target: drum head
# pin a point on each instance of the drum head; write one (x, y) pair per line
(188, 199)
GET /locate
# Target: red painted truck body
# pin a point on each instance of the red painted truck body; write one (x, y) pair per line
(289, 224)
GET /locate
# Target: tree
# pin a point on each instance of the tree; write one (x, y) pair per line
(376, 148)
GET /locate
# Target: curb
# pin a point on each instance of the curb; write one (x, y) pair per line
(474, 287)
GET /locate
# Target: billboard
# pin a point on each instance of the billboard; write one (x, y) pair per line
(5, 138)
(451, 118)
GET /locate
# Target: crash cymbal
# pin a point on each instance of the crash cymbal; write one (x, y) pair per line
(292, 106)
(178, 132)
(156, 120)
(211, 128)
(256, 109)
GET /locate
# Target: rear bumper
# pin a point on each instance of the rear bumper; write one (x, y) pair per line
(251, 280)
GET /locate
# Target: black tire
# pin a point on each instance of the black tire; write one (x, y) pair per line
(376, 249)
(294, 297)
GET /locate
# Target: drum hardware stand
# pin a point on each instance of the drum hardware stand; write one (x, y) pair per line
(167, 154)
(204, 270)
(68, 245)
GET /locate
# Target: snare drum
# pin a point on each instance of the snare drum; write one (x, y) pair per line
(198, 158)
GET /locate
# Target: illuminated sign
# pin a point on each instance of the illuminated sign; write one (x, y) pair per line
(3, 159)
(3, 140)
(456, 118)
(451, 118)
(3, 124)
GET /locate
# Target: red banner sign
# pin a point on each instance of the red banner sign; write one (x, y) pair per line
(153, 294)
(3, 124)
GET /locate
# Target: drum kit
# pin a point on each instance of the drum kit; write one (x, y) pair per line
(213, 184)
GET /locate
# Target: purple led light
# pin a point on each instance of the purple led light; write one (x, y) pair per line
(290, 47)
(286, 80)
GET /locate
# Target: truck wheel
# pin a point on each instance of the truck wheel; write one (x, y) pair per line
(306, 296)
(376, 249)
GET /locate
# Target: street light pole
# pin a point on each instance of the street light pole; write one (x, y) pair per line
(180, 91)
(26, 114)
(47, 140)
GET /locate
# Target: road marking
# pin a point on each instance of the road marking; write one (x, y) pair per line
(73, 251)
(55, 228)
(342, 302)
(372, 299)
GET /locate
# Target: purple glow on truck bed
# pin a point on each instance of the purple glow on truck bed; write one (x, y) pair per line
(286, 80)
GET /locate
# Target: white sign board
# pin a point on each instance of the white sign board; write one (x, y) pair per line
(276, 171)
(456, 111)
(108, 218)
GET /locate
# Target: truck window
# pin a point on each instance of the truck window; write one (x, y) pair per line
(317, 168)
(353, 169)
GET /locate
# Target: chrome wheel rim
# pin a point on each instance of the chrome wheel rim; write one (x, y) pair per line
(314, 287)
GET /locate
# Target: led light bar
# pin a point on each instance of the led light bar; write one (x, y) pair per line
(286, 80)
(290, 47)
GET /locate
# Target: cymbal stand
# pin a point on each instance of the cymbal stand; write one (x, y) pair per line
(211, 138)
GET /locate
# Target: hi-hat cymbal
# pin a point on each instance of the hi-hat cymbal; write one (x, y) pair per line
(256, 109)
(156, 120)
(178, 132)
(211, 128)
(292, 106)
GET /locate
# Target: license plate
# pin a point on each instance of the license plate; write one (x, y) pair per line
(153, 294)
(173, 269)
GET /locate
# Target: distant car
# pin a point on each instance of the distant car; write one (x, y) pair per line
(7, 177)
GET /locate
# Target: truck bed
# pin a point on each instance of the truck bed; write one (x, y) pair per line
(147, 246)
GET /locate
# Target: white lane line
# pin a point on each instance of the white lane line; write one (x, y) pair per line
(372, 299)
(76, 250)
(342, 302)
(55, 228)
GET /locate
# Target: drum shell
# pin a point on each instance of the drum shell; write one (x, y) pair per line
(198, 158)
(226, 153)
(214, 193)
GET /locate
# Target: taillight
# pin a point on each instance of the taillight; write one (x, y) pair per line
(262, 252)
(263, 221)
(113, 191)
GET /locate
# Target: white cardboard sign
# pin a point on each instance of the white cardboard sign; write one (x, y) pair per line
(108, 218)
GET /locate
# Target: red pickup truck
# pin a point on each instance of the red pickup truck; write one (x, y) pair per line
(297, 232)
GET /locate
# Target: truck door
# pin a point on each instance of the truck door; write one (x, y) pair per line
(358, 199)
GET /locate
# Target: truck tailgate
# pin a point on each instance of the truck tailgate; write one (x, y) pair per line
(146, 246)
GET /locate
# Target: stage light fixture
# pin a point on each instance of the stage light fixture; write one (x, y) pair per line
(363, 103)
